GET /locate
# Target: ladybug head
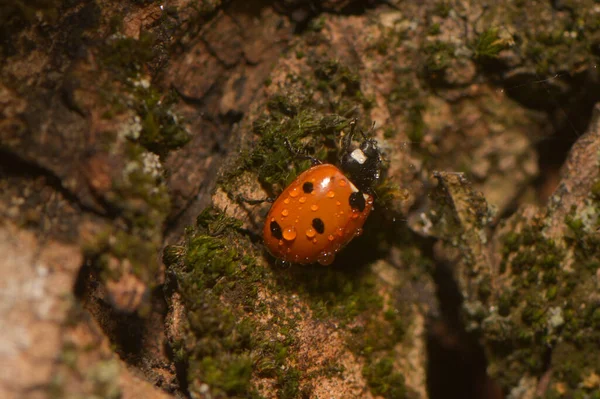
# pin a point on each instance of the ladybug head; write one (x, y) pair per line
(361, 164)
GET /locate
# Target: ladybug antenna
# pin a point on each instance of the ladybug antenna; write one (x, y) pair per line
(347, 140)
(372, 130)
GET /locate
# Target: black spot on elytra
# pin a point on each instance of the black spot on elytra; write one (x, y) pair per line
(318, 225)
(307, 187)
(276, 230)
(357, 201)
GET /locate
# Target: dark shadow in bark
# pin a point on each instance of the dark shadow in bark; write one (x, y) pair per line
(456, 366)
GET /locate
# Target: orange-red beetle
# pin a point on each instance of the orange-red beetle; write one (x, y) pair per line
(324, 208)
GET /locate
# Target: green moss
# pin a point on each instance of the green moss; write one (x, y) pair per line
(317, 24)
(438, 56)
(270, 158)
(156, 126)
(434, 29)
(288, 383)
(218, 285)
(547, 314)
(511, 242)
(531, 252)
(416, 122)
(572, 364)
(162, 130)
(484, 289)
(489, 44)
(218, 282)
(227, 374)
(384, 380)
(125, 56)
(341, 82)
(221, 353)
(334, 292)
(442, 8)
(596, 190)
(533, 314)
(104, 376)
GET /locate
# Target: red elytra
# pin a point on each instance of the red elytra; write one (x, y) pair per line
(316, 216)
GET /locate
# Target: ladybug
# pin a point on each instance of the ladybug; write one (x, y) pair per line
(325, 207)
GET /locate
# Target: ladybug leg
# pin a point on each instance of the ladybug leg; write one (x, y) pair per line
(250, 201)
(299, 154)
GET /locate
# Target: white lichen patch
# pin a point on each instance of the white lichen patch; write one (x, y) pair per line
(555, 318)
(131, 129)
(151, 165)
(141, 82)
(589, 216)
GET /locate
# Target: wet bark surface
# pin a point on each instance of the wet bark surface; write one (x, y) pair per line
(132, 132)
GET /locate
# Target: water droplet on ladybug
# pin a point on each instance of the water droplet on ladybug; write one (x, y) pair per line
(294, 192)
(310, 232)
(302, 200)
(330, 194)
(289, 234)
(326, 258)
(285, 212)
(314, 207)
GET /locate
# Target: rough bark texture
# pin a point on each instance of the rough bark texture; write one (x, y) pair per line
(131, 132)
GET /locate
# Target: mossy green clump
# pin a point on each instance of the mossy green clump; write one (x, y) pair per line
(442, 8)
(162, 129)
(140, 198)
(489, 44)
(417, 124)
(438, 56)
(384, 380)
(332, 74)
(550, 42)
(532, 255)
(104, 376)
(311, 127)
(218, 351)
(546, 318)
(225, 347)
(341, 84)
(125, 56)
(434, 29)
(219, 283)
(306, 131)
(348, 296)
